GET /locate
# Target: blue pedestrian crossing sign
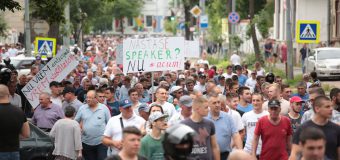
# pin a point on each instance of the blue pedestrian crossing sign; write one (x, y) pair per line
(45, 47)
(307, 31)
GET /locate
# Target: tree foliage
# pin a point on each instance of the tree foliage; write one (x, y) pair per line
(3, 26)
(9, 5)
(50, 10)
(216, 10)
(242, 7)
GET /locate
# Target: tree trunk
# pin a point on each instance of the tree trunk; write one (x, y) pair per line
(121, 25)
(253, 31)
(187, 21)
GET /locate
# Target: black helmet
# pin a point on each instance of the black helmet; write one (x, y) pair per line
(270, 77)
(175, 139)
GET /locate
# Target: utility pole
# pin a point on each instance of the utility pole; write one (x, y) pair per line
(66, 38)
(202, 31)
(28, 51)
(289, 42)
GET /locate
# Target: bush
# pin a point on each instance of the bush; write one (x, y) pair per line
(218, 62)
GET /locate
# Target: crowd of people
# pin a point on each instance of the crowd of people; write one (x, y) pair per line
(98, 113)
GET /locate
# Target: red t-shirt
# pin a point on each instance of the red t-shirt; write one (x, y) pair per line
(274, 138)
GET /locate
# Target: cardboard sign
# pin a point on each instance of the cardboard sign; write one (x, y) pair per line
(119, 54)
(192, 49)
(55, 70)
(153, 54)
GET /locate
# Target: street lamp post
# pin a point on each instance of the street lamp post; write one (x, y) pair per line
(27, 30)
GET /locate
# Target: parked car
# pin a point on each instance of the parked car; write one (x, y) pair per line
(39, 146)
(325, 62)
(22, 64)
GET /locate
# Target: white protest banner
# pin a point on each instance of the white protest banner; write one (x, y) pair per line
(119, 54)
(192, 49)
(153, 54)
(55, 70)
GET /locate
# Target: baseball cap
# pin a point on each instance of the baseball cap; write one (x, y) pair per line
(156, 115)
(186, 101)
(274, 103)
(68, 90)
(125, 103)
(143, 107)
(202, 75)
(296, 99)
(175, 88)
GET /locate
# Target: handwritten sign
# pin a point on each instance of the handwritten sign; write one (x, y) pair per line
(153, 54)
(55, 70)
(119, 54)
(192, 49)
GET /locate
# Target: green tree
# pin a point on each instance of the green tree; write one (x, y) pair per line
(3, 26)
(50, 10)
(216, 10)
(126, 8)
(9, 5)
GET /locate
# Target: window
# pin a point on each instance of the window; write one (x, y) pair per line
(130, 22)
(148, 21)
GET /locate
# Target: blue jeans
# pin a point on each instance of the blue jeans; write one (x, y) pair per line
(96, 152)
(9, 156)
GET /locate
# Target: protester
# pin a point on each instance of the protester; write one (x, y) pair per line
(93, 117)
(46, 113)
(323, 112)
(113, 130)
(67, 137)
(185, 102)
(13, 124)
(131, 143)
(294, 113)
(70, 99)
(275, 132)
(205, 144)
(249, 121)
(224, 126)
(151, 144)
(313, 144)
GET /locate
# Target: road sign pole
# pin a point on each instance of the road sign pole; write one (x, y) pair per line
(27, 30)
(233, 10)
(307, 55)
(289, 42)
(202, 5)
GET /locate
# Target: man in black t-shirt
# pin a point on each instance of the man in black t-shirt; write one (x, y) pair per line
(12, 124)
(323, 112)
(205, 144)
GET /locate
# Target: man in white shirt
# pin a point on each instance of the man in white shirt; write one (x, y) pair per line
(235, 59)
(113, 130)
(249, 121)
(274, 92)
(200, 86)
(55, 93)
(14, 98)
(161, 98)
(251, 81)
(229, 73)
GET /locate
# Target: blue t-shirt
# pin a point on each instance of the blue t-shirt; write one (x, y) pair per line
(242, 80)
(245, 109)
(304, 98)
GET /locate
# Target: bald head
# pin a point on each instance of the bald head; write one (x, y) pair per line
(240, 155)
(4, 92)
